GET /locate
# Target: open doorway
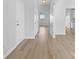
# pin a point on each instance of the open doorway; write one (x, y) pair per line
(44, 21)
(70, 20)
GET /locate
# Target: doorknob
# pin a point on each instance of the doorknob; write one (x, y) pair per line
(17, 24)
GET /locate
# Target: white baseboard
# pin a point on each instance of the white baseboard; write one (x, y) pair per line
(60, 33)
(54, 36)
(12, 49)
(29, 38)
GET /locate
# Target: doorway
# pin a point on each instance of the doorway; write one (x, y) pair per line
(44, 21)
(70, 20)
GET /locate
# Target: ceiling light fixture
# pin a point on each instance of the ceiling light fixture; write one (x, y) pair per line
(44, 1)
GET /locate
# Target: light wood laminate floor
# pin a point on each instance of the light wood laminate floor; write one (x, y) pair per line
(45, 47)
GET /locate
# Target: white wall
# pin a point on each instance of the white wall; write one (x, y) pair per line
(9, 25)
(13, 15)
(36, 17)
(59, 14)
(29, 18)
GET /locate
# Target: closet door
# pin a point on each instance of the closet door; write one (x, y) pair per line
(19, 20)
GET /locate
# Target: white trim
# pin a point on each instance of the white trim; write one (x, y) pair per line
(54, 36)
(11, 49)
(60, 33)
(29, 38)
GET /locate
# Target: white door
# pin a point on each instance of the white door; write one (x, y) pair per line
(19, 20)
(19, 31)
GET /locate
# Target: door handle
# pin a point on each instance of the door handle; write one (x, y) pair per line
(17, 24)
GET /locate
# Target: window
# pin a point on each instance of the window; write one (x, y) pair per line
(42, 16)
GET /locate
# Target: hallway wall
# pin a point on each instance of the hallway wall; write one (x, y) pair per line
(9, 26)
(13, 15)
(59, 14)
(36, 17)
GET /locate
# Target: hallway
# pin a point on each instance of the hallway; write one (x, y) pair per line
(45, 47)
